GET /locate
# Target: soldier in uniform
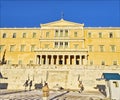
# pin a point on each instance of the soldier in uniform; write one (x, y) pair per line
(30, 85)
(26, 84)
(80, 86)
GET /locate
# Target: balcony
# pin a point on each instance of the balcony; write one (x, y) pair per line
(60, 50)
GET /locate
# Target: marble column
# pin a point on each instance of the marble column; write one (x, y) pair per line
(68, 60)
(52, 60)
(57, 60)
(63, 59)
(41, 60)
(46, 59)
(80, 61)
(74, 59)
(86, 59)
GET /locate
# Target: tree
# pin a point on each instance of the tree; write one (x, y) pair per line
(3, 58)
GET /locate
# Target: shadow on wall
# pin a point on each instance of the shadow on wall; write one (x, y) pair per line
(101, 88)
(38, 86)
(3, 85)
(1, 75)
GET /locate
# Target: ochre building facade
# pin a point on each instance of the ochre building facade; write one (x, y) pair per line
(61, 43)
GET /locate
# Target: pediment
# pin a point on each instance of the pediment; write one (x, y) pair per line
(62, 23)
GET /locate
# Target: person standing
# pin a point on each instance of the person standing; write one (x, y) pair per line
(45, 90)
(26, 84)
(80, 86)
(30, 85)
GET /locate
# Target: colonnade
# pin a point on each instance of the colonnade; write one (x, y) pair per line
(61, 59)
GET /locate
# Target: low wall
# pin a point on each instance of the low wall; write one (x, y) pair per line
(66, 76)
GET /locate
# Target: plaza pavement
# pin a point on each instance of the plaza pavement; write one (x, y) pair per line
(54, 95)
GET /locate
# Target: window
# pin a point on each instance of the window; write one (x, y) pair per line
(20, 62)
(9, 62)
(60, 61)
(46, 45)
(90, 47)
(66, 33)
(112, 47)
(56, 33)
(56, 44)
(114, 62)
(24, 35)
(66, 44)
(101, 48)
(47, 34)
(12, 48)
(89, 35)
(31, 62)
(14, 35)
(4, 35)
(116, 84)
(22, 48)
(100, 35)
(91, 62)
(61, 33)
(75, 34)
(1, 47)
(110, 35)
(75, 46)
(32, 47)
(61, 44)
(34, 35)
(103, 63)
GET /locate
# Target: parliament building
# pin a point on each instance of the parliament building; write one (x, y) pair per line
(61, 43)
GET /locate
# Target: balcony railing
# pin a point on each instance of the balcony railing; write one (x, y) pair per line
(61, 50)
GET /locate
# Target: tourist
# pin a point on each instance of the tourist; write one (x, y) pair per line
(45, 91)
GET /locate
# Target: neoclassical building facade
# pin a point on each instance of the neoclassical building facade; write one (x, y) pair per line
(61, 43)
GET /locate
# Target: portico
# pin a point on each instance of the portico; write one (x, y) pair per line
(61, 59)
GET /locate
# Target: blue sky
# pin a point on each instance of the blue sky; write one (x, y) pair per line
(32, 13)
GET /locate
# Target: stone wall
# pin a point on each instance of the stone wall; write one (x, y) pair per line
(66, 76)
